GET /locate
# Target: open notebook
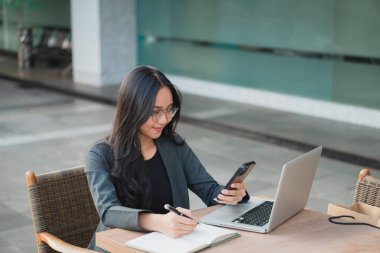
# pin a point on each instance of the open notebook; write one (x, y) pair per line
(202, 237)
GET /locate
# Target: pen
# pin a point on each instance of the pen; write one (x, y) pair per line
(172, 209)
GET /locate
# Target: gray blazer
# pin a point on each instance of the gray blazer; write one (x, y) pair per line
(184, 170)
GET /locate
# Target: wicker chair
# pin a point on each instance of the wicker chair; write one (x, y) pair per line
(63, 211)
(367, 189)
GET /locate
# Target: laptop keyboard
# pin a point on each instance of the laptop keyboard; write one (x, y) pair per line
(258, 216)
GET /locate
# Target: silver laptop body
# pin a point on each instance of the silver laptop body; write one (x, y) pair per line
(291, 197)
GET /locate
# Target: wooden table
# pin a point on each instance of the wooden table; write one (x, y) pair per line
(308, 231)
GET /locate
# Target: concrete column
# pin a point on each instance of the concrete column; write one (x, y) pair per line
(104, 38)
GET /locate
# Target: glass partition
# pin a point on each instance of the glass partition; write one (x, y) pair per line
(327, 49)
(31, 13)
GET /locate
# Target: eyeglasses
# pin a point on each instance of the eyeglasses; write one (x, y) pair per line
(169, 113)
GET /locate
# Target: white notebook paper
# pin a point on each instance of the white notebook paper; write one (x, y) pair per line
(202, 237)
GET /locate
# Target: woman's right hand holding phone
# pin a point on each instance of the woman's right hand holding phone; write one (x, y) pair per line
(233, 195)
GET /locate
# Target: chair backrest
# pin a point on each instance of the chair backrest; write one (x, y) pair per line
(62, 205)
(367, 189)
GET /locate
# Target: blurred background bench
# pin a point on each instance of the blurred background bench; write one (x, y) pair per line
(54, 47)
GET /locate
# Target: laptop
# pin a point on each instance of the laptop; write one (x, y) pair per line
(262, 215)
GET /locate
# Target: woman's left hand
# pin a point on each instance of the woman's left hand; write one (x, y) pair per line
(233, 196)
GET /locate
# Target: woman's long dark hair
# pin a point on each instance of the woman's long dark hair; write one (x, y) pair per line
(135, 102)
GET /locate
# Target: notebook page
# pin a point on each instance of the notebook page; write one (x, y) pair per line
(157, 242)
(207, 233)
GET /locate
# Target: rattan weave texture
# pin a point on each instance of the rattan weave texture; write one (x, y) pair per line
(368, 191)
(62, 205)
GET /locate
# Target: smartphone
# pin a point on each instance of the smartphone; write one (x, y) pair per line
(240, 174)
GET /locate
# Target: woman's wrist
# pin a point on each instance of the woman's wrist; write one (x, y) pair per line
(150, 221)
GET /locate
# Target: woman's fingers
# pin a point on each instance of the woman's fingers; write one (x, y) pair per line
(234, 195)
(230, 200)
(178, 225)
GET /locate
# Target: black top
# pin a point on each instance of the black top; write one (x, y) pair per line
(161, 189)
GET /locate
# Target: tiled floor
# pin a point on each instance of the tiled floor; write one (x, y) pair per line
(44, 130)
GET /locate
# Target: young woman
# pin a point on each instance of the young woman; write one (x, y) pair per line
(143, 164)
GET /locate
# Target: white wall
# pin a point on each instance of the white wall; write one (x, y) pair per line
(104, 40)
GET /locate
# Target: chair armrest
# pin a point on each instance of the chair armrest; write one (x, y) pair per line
(59, 245)
(364, 172)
